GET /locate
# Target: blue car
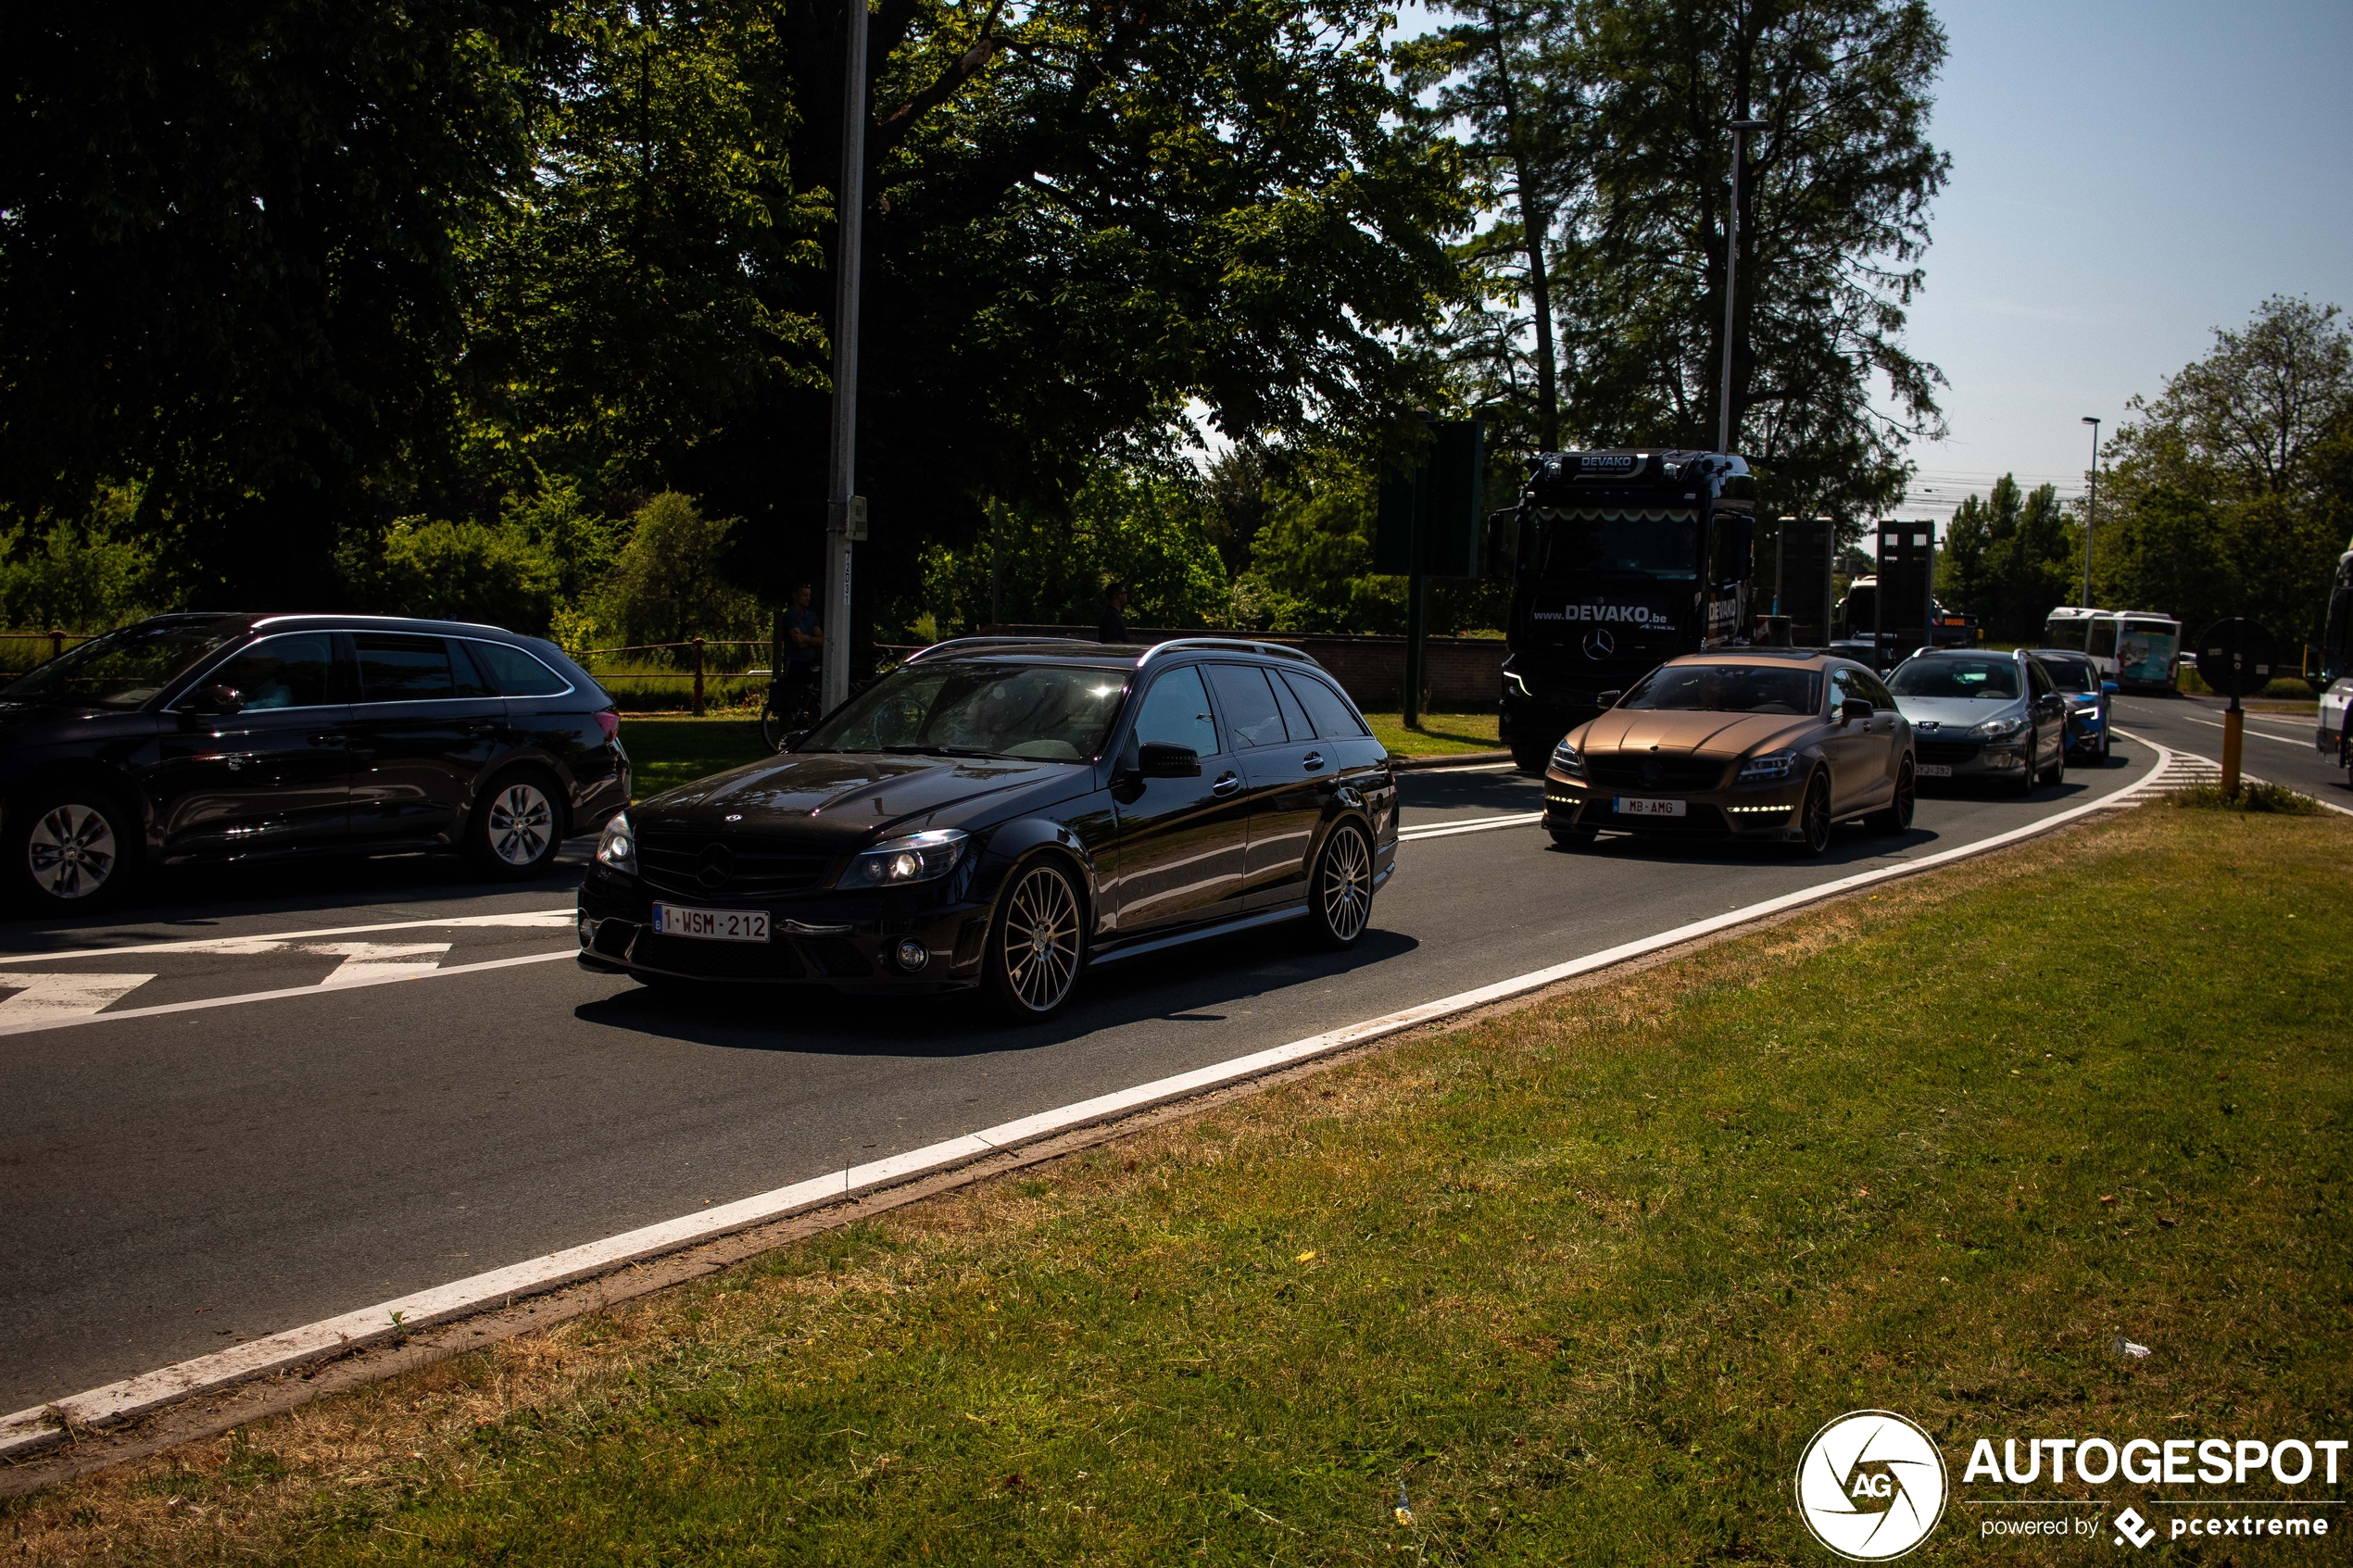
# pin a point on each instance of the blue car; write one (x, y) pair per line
(2087, 698)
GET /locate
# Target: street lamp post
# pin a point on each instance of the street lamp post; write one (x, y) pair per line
(1741, 127)
(842, 479)
(2091, 509)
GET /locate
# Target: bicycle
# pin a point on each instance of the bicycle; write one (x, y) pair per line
(789, 708)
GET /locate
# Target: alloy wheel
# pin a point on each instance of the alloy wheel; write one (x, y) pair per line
(1816, 820)
(1345, 888)
(521, 823)
(1040, 940)
(70, 851)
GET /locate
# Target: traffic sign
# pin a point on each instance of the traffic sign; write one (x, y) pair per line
(2236, 657)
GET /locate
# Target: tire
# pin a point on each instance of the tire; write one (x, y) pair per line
(1896, 818)
(1339, 893)
(1575, 838)
(1814, 818)
(2106, 746)
(518, 825)
(1037, 944)
(72, 850)
(2058, 767)
(2034, 766)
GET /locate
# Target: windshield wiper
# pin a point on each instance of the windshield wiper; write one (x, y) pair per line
(942, 751)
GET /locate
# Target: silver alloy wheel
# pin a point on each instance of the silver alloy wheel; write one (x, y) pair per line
(70, 851)
(1346, 886)
(522, 821)
(1814, 819)
(1041, 940)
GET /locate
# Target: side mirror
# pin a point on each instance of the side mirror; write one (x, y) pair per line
(1854, 708)
(1157, 760)
(2109, 689)
(214, 702)
(1608, 699)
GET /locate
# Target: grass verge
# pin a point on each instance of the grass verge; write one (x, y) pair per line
(1441, 734)
(665, 752)
(1581, 1278)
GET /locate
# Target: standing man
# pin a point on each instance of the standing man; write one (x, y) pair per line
(804, 645)
(1112, 628)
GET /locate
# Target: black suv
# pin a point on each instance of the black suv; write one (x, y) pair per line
(235, 738)
(1000, 813)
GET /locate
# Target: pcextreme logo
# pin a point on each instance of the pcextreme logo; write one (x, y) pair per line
(1871, 1485)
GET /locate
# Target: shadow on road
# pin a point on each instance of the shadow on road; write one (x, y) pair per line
(1204, 984)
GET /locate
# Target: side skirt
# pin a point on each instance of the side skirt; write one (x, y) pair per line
(1199, 934)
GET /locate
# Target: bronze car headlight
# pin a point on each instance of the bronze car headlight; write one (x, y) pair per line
(919, 857)
(617, 846)
(1568, 759)
(1771, 767)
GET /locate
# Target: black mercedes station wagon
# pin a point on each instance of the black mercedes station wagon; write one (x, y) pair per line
(203, 737)
(1001, 812)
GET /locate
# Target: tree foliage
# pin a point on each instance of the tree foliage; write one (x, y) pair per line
(2008, 560)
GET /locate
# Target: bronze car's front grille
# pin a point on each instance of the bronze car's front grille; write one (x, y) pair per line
(1641, 770)
(737, 866)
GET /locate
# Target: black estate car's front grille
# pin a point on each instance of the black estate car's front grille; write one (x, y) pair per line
(740, 866)
(1637, 770)
(1946, 753)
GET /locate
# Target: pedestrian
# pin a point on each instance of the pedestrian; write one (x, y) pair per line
(803, 644)
(1112, 628)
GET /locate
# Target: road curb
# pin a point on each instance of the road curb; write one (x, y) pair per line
(28, 1432)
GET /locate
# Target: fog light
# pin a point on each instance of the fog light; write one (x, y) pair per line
(912, 955)
(588, 932)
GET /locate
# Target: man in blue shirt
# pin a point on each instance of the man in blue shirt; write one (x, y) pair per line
(802, 641)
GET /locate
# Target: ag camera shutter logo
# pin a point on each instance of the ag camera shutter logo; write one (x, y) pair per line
(1871, 1485)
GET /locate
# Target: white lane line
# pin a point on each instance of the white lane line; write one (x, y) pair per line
(2203, 763)
(392, 975)
(262, 942)
(2258, 735)
(365, 963)
(50, 999)
(1476, 824)
(31, 1428)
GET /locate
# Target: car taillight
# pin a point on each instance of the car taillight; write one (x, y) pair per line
(608, 720)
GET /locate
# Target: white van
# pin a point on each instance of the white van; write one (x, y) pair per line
(2139, 650)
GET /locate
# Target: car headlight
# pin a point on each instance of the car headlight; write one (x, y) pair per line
(1568, 759)
(617, 846)
(2002, 728)
(919, 857)
(1771, 767)
(1512, 677)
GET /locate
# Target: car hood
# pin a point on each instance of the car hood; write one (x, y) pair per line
(846, 796)
(1701, 734)
(1956, 712)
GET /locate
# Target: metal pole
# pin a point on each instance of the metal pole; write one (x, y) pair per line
(1741, 127)
(2091, 509)
(2234, 747)
(842, 473)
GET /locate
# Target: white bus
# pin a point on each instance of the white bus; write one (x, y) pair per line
(2139, 650)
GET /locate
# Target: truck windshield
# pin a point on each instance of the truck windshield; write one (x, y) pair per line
(1618, 542)
(1726, 688)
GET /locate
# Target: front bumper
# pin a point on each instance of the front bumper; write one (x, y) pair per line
(2084, 728)
(849, 941)
(1971, 759)
(1742, 811)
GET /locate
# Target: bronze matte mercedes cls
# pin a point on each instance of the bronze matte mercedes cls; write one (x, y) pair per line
(1770, 744)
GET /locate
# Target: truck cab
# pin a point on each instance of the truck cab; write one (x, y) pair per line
(1620, 560)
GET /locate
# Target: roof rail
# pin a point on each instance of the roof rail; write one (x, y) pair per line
(980, 642)
(1244, 644)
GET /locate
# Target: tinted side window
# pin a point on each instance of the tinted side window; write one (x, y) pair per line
(2038, 677)
(1251, 715)
(1294, 717)
(397, 669)
(290, 671)
(515, 673)
(1175, 712)
(2100, 643)
(1843, 686)
(1870, 685)
(1333, 718)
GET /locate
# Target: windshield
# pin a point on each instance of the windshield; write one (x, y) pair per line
(1620, 542)
(125, 669)
(2065, 631)
(1956, 677)
(2071, 675)
(976, 709)
(1727, 688)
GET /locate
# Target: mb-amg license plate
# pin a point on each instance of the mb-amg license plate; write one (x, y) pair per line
(1632, 806)
(712, 925)
(1935, 771)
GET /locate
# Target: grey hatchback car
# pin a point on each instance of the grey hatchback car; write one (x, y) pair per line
(1979, 715)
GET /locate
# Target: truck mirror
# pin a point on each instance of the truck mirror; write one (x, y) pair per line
(1502, 544)
(1744, 547)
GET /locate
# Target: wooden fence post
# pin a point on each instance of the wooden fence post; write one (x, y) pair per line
(698, 677)
(57, 641)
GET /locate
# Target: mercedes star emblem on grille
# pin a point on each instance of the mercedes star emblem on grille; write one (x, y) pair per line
(1599, 644)
(718, 865)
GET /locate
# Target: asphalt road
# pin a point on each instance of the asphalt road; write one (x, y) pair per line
(183, 1180)
(2278, 746)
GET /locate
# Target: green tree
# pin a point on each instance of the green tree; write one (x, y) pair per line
(671, 584)
(79, 575)
(2007, 559)
(462, 570)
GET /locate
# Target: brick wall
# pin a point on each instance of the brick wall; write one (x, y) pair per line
(1457, 671)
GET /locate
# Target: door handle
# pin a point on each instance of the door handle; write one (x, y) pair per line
(331, 739)
(1313, 761)
(1225, 786)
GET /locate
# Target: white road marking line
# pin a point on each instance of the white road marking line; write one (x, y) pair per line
(367, 963)
(1478, 824)
(36, 1427)
(49, 999)
(202, 1003)
(2258, 735)
(550, 917)
(2199, 768)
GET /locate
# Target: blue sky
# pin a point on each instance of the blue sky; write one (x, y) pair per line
(2126, 177)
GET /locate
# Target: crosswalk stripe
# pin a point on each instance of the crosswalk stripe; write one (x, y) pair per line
(51, 998)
